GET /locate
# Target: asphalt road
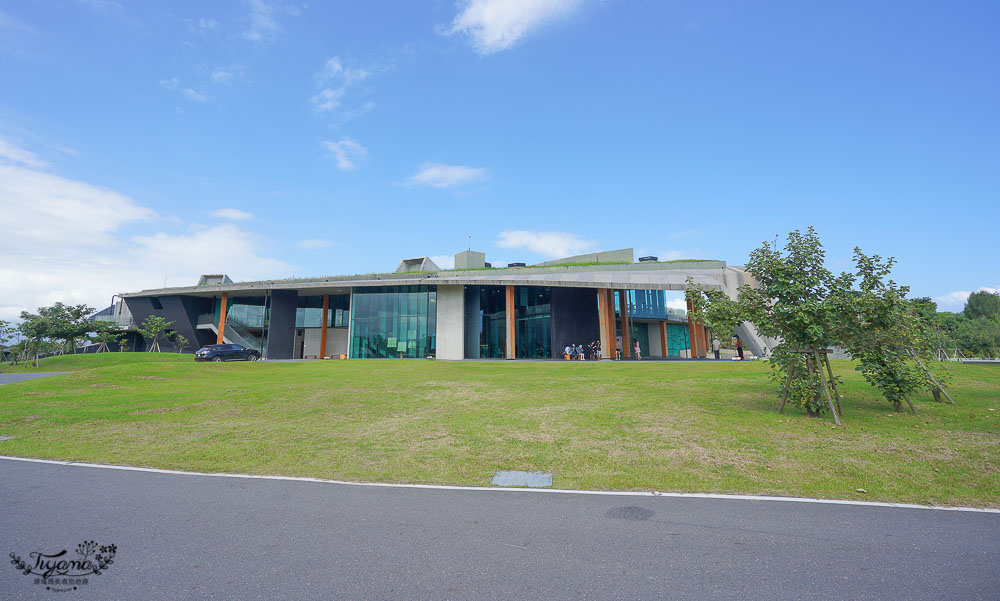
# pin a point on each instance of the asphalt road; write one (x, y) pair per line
(11, 378)
(194, 537)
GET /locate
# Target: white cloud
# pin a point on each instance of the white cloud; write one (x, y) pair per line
(232, 214)
(494, 25)
(171, 84)
(346, 152)
(552, 245)
(71, 241)
(193, 95)
(437, 175)
(955, 301)
(263, 25)
(314, 244)
(444, 261)
(204, 25)
(220, 75)
(334, 80)
(263, 19)
(13, 154)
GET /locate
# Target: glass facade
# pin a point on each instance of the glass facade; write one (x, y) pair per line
(246, 320)
(393, 321)
(309, 311)
(640, 331)
(533, 312)
(493, 322)
(677, 339)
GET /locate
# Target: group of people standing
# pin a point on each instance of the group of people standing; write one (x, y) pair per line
(576, 352)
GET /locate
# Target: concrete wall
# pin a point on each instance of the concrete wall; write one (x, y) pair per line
(574, 318)
(281, 331)
(655, 348)
(451, 322)
(182, 310)
(336, 341)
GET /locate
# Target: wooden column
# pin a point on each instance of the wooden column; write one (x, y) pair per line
(706, 343)
(626, 333)
(326, 319)
(692, 332)
(663, 339)
(602, 319)
(222, 318)
(511, 323)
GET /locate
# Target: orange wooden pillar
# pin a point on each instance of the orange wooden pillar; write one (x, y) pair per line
(626, 330)
(222, 318)
(326, 319)
(511, 322)
(663, 339)
(692, 332)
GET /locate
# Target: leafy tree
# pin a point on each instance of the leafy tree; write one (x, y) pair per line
(181, 341)
(789, 303)
(7, 332)
(979, 337)
(882, 330)
(798, 301)
(983, 304)
(107, 333)
(68, 322)
(35, 329)
(151, 328)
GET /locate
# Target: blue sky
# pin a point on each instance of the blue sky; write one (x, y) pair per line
(143, 142)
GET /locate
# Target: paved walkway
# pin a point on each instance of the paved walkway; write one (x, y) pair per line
(11, 378)
(197, 537)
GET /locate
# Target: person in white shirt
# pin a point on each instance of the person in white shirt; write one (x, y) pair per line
(716, 345)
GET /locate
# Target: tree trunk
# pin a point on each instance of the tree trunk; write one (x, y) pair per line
(826, 390)
(833, 382)
(788, 384)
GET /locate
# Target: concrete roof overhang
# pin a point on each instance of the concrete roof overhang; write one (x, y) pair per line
(635, 276)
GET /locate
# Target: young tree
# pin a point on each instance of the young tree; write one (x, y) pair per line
(7, 332)
(107, 333)
(181, 341)
(35, 329)
(880, 329)
(151, 328)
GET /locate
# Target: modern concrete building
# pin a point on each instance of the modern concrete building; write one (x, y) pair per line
(472, 312)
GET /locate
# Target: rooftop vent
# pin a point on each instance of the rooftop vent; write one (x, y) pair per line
(213, 279)
(515, 264)
(648, 259)
(417, 264)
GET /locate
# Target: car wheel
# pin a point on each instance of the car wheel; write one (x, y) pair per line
(252, 358)
(216, 358)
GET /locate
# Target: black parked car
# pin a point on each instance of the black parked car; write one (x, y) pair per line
(226, 352)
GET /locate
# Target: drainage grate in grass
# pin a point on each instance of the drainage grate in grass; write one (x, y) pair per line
(514, 478)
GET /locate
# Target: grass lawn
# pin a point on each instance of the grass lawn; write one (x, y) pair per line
(685, 427)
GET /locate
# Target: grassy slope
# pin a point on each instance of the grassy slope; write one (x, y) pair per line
(645, 426)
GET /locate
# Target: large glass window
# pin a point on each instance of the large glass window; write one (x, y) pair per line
(309, 311)
(533, 311)
(493, 322)
(394, 321)
(246, 320)
(677, 339)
